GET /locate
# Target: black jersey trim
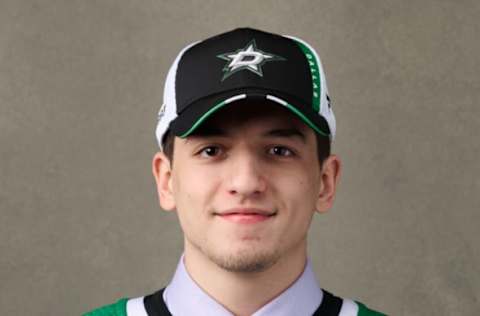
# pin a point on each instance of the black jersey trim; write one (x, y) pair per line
(154, 304)
(330, 305)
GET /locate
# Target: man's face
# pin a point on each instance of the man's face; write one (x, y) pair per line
(245, 186)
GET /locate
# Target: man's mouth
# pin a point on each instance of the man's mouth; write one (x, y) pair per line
(246, 216)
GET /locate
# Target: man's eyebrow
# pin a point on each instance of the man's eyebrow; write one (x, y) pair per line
(287, 133)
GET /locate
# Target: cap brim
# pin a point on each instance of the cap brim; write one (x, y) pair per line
(196, 113)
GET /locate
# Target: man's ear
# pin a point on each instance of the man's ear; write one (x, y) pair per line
(330, 174)
(162, 172)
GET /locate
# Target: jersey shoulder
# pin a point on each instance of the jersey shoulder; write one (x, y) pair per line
(117, 309)
(363, 310)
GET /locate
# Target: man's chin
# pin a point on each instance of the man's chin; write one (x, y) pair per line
(245, 262)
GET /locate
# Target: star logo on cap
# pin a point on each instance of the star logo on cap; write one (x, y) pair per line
(248, 58)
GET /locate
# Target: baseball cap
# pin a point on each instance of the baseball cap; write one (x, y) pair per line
(244, 63)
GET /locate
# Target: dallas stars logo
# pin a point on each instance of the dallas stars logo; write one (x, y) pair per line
(247, 58)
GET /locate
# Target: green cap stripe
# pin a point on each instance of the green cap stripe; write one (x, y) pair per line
(305, 119)
(203, 118)
(315, 72)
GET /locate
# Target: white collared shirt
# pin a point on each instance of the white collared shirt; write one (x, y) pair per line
(303, 297)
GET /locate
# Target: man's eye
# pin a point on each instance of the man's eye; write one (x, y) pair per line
(210, 151)
(280, 151)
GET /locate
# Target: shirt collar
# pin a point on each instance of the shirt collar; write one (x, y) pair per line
(302, 298)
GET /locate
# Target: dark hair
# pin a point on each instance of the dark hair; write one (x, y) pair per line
(323, 146)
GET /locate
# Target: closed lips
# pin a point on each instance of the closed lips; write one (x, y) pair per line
(246, 212)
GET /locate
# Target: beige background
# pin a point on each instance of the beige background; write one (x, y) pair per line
(80, 85)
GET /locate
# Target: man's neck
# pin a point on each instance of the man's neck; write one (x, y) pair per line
(244, 293)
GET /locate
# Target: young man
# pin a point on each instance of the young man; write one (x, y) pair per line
(244, 133)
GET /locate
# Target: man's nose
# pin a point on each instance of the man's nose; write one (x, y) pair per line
(246, 176)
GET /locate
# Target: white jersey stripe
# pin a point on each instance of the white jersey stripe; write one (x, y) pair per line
(349, 308)
(135, 307)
